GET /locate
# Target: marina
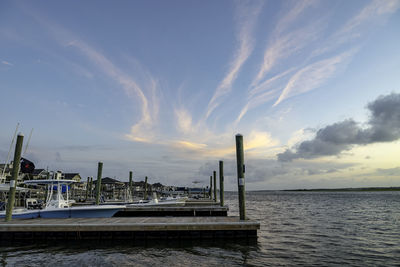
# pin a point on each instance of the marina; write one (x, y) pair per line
(200, 133)
(189, 215)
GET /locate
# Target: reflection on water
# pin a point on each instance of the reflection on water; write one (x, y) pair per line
(297, 228)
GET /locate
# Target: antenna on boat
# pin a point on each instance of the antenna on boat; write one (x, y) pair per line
(9, 151)
(27, 143)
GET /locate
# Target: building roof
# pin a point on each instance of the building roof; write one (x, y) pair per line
(70, 175)
(37, 171)
(108, 180)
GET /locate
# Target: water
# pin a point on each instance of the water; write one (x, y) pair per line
(297, 228)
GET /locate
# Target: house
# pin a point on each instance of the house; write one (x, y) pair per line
(7, 173)
(73, 176)
(37, 174)
(111, 188)
(7, 168)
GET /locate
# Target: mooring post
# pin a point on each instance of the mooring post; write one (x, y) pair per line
(14, 177)
(145, 188)
(210, 191)
(91, 187)
(87, 188)
(130, 183)
(221, 183)
(215, 185)
(240, 175)
(204, 192)
(98, 184)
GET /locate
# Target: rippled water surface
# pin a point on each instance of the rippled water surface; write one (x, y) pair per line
(297, 228)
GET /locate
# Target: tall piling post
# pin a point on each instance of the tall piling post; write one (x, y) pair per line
(98, 183)
(221, 183)
(130, 183)
(145, 188)
(87, 188)
(91, 187)
(240, 175)
(215, 185)
(210, 191)
(14, 177)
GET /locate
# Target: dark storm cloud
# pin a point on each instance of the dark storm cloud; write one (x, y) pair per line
(383, 126)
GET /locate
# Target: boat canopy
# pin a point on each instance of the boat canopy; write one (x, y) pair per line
(6, 188)
(50, 181)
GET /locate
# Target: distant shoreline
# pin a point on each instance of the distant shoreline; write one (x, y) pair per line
(361, 189)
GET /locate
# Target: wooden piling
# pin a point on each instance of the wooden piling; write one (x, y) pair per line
(91, 187)
(221, 183)
(87, 188)
(98, 184)
(240, 175)
(130, 183)
(145, 188)
(215, 185)
(14, 177)
(210, 191)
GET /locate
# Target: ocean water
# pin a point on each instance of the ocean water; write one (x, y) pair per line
(297, 228)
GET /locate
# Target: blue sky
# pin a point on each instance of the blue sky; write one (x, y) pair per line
(162, 87)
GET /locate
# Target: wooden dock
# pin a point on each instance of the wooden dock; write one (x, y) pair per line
(176, 211)
(128, 228)
(201, 202)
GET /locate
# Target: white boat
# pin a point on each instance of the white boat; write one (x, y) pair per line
(58, 207)
(18, 213)
(21, 213)
(167, 201)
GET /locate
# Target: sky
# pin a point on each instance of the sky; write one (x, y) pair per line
(161, 88)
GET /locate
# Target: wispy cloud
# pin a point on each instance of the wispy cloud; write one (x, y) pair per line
(356, 26)
(262, 93)
(285, 43)
(313, 75)
(247, 13)
(190, 145)
(142, 130)
(7, 63)
(374, 9)
(184, 121)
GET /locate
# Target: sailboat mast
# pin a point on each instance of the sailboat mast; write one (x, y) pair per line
(9, 151)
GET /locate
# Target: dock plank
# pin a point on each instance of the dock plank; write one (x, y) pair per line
(186, 211)
(127, 228)
(129, 224)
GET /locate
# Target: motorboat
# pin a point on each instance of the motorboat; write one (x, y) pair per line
(21, 213)
(58, 207)
(18, 213)
(165, 201)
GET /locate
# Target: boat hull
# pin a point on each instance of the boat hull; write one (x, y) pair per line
(81, 212)
(29, 214)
